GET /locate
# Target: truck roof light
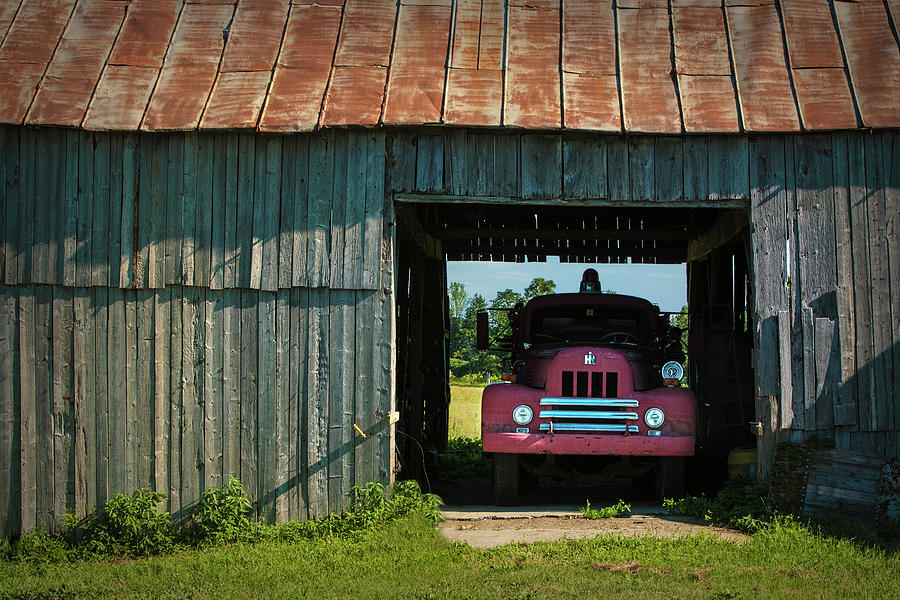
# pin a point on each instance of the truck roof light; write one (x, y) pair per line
(590, 281)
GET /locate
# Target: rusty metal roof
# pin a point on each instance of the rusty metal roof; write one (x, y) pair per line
(655, 66)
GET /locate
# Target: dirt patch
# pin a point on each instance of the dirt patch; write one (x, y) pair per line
(490, 532)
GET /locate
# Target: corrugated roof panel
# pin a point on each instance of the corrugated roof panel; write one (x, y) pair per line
(591, 102)
(415, 92)
(66, 89)
(190, 69)
(367, 33)
(708, 103)
(589, 38)
(874, 61)
(298, 87)
(466, 35)
(7, 12)
(145, 34)
(648, 91)
(35, 31)
(474, 97)
(532, 75)
(536, 4)
(811, 38)
(355, 96)
(493, 34)
(18, 81)
(121, 98)
(824, 98)
(255, 35)
(697, 3)
(642, 4)
(701, 43)
(764, 88)
(236, 100)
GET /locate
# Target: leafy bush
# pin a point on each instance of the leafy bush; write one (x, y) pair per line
(464, 459)
(223, 516)
(127, 526)
(619, 509)
(739, 504)
(39, 547)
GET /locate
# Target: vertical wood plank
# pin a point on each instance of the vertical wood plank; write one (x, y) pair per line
(728, 173)
(11, 184)
(584, 172)
(43, 406)
(260, 227)
(87, 488)
(192, 443)
(213, 390)
(249, 393)
(245, 210)
(143, 208)
(231, 384)
(430, 163)
(892, 198)
(203, 224)
(4, 242)
(297, 193)
(456, 165)
(189, 208)
(668, 169)
(116, 183)
(127, 231)
(317, 395)
(63, 430)
(618, 162)
(541, 166)
(354, 215)
(272, 190)
(696, 168)
(121, 349)
(162, 398)
(827, 372)
(266, 405)
(141, 431)
(340, 398)
(286, 228)
(100, 327)
(217, 172)
(9, 456)
(366, 406)
(231, 241)
(175, 193)
(403, 161)
(641, 168)
(26, 247)
(83, 243)
(282, 483)
(69, 220)
(100, 229)
(374, 210)
(174, 401)
(27, 425)
(339, 202)
(507, 178)
(43, 200)
(321, 176)
(158, 194)
(299, 405)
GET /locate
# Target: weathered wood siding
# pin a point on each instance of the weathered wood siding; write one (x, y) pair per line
(179, 309)
(826, 260)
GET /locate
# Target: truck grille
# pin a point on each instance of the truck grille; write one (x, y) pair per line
(578, 384)
(604, 415)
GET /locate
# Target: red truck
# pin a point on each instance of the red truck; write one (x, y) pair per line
(593, 375)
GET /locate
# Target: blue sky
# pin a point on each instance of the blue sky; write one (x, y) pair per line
(665, 285)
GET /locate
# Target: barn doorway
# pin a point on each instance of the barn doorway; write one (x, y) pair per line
(713, 244)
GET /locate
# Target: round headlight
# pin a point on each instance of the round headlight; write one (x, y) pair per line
(672, 370)
(654, 417)
(522, 414)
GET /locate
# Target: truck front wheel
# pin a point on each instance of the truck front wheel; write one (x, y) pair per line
(506, 479)
(670, 478)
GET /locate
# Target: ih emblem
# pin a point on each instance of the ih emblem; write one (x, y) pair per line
(590, 359)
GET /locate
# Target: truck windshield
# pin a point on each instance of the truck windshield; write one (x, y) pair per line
(594, 324)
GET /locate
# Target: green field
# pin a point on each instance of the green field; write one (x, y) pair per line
(465, 412)
(409, 559)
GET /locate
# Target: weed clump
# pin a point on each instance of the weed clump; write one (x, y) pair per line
(135, 526)
(619, 509)
(739, 505)
(464, 459)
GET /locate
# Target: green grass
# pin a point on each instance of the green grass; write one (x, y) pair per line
(619, 509)
(465, 412)
(409, 559)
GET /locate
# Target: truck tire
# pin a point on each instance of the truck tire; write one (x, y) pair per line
(506, 479)
(670, 478)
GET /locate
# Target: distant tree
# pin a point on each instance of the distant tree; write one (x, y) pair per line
(539, 287)
(458, 299)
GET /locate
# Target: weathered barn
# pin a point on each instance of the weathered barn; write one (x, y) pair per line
(225, 225)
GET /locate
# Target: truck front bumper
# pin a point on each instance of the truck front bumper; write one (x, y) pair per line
(576, 443)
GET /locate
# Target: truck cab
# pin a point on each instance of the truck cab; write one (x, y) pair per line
(592, 375)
